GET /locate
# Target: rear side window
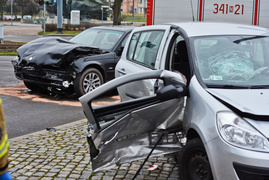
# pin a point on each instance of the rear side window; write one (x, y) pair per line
(144, 46)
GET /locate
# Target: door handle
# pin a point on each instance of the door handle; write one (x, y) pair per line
(122, 71)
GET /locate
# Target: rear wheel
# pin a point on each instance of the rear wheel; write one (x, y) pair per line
(87, 81)
(193, 162)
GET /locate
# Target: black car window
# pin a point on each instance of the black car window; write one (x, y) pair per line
(144, 47)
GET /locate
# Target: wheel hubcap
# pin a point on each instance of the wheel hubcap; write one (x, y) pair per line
(91, 82)
(198, 167)
(201, 171)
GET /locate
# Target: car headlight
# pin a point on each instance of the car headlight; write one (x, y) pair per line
(240, 133)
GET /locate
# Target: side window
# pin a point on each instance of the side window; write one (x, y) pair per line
(175, 56)
(144, 47)
(132, 45)
(124, 41)
(178, 60)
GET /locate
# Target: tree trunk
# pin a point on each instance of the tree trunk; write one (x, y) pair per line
(2, 3)
(117, 12)
(1, 11)
(22, 11)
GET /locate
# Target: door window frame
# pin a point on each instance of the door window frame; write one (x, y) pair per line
(131, 52)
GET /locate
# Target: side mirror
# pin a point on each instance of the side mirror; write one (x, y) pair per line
(119, 51)
(170, 92)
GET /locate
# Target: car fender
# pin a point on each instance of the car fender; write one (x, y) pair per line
(80, 65)
(201, 107)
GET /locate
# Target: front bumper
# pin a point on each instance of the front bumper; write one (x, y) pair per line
(251, 172)
(233, 163)
(43, 77)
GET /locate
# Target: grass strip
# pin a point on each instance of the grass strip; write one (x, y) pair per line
(8, 53)
(64, 32)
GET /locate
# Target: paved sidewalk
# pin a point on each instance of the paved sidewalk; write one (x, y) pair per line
(63, 154)
(21, 29)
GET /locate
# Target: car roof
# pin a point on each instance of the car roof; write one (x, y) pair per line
(193, 29)
(117, 28)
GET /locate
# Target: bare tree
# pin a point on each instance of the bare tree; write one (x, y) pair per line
(31, 9)
(117, 12)
(2, 3)
(23, 4)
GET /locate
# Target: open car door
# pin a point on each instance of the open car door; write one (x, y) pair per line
(128, 130)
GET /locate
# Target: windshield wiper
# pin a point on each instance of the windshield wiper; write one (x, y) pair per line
(259, 87)
(238, 87)
(227, 86)
(246, 39)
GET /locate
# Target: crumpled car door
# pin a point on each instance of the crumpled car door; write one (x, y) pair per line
(128, 130)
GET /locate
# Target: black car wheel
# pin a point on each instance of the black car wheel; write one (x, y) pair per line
(193, 162)
(87, 81)
(31, 86)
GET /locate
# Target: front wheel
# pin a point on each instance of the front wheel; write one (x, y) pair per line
(31, 86)
(87, 81)
(193, 162)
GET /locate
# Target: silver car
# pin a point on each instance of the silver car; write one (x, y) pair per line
(199, 89)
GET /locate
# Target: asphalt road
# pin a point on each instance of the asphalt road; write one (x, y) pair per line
(7, 77)
(16, 38)
(24, 116)
(25, 32)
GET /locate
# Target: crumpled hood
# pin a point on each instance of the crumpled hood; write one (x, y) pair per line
(49, 50)
(252, 101)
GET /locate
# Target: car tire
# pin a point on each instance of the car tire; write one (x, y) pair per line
(87, 81)
(193, 162)
(31, 86)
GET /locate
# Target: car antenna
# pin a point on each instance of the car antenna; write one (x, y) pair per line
(192, 11)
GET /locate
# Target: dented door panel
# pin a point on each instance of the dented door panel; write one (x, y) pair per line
(128, 130)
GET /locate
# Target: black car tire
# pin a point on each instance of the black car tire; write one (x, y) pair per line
(193, 162)
(31, 86)
(87, 81)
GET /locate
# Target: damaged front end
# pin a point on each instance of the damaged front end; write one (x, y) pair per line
(48, 62)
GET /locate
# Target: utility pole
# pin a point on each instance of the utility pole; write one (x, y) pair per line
(59, 16)
(44, 18)
(133, 11)
(11, 11)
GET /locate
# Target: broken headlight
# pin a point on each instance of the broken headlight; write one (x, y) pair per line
(15, 61)
(238, 132)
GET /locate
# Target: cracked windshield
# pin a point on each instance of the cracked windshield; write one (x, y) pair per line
(233, 61)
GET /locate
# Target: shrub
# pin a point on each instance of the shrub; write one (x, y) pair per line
(50, 27)
(69, 27)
